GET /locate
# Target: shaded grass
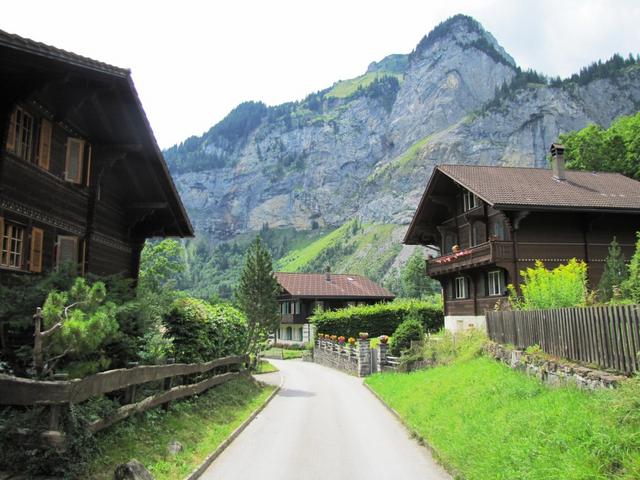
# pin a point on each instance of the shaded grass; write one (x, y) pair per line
(201, 424)
(487, 421)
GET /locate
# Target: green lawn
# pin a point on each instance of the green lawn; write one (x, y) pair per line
(265, 367)
(486, 421)
(283, 353)
(201, 424)
(346, 88)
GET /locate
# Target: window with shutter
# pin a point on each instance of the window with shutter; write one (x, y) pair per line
(20, 137)
(75, 155)
(44, 147)
(67, 250)
(11, 245)
(35, 256)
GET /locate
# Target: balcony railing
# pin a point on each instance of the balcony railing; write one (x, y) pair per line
(292, 318)
(483, 254)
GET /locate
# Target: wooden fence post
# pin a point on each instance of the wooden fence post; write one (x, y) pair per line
(130, 392)
(168, 383)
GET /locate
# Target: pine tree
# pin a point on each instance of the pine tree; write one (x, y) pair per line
(415, 282)
(614, 274)
(257, 295)
(631, 287)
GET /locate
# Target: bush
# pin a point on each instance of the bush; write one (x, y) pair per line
(564, 286)
(378, 319)
(203, 332)
(410, 329)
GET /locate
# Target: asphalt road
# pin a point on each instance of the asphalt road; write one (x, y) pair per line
(323, 425)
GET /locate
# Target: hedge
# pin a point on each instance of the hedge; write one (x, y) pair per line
(202, 332)
(378, 319)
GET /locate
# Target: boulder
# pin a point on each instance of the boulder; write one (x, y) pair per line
(174, 447)
(133, 470)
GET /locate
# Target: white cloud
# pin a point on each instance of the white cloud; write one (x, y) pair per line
(193, 61)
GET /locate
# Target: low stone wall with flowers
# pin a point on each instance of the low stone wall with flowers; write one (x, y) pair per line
(342, 356)
(550, 371)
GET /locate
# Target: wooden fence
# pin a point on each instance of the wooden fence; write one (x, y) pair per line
(605, 336)
(55, 394)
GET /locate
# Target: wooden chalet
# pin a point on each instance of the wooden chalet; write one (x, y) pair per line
(302, 293)
(82, 179)
(489, 223)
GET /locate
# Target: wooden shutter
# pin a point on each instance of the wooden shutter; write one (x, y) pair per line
(11, 135)
(35, 257)
(44, 148)
(73, 164)
(1, 240)
(67, 250)
(88, 177)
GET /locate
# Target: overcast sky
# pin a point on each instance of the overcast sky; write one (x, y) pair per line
(193, 61)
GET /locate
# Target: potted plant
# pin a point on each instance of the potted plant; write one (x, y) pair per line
(363, 335)
(384, 339)
(455, 248)
(334, 338)
(352, 341)
(341, 340)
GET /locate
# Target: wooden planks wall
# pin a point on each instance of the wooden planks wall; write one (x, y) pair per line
(605, 336)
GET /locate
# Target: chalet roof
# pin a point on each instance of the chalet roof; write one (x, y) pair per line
(340, 286)
(99, 102)
(537, 187)
(31, 46)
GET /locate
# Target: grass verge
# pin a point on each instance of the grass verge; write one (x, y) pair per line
(486, 421)
(265, 367)
(201, 424)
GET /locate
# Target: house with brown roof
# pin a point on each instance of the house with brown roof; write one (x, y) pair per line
(489, 223)
(303, 293)
(82, 179)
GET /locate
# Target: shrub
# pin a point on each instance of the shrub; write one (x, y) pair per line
(379, 319)
(564, 286)
(631, 286)
(409, 330)
(202, 332)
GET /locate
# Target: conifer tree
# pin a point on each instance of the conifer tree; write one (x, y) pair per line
(631, 286)
(614, 274)
(256, 295)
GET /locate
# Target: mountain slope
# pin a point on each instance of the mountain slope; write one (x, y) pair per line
(365, 147)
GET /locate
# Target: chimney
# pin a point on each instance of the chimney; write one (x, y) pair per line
(557, 161)
(327, 273)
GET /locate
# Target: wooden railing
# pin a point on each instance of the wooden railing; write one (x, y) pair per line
(55, 394)
(605, 336)
(485, 253)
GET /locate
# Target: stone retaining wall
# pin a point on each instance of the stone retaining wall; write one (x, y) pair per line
(553, 372)
(341, 357)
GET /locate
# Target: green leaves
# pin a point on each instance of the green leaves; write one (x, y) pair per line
(564, 286)
(631, 287)
(615, 272)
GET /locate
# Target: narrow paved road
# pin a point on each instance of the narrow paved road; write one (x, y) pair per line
(323, 425)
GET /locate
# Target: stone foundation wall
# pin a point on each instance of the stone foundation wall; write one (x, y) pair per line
(553, 372)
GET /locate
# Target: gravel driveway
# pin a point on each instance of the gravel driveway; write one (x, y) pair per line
(326, 425)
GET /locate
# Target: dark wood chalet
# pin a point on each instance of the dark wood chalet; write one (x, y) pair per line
(302, 293)
(82, 179)
(489, 223)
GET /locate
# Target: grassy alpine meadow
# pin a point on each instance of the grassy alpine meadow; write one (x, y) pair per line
(486, 421)
(201, 424)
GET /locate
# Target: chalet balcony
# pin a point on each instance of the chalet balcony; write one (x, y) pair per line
(484, 254)
(292, 318)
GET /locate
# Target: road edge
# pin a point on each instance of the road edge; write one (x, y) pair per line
(414, 434)
(197, 473)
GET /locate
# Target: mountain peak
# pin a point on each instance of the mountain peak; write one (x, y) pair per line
(467, 32)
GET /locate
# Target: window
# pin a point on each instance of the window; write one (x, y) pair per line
(75, 157)
(11, 244)
(498, 230)
(469, 200)
(20, 136)
(496, 283)
(288, 333)
(67, 250)
(449, 242)
(477, 234)
(299, 334)
(461, 288)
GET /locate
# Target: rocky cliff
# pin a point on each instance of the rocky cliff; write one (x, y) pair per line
(366, 146)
